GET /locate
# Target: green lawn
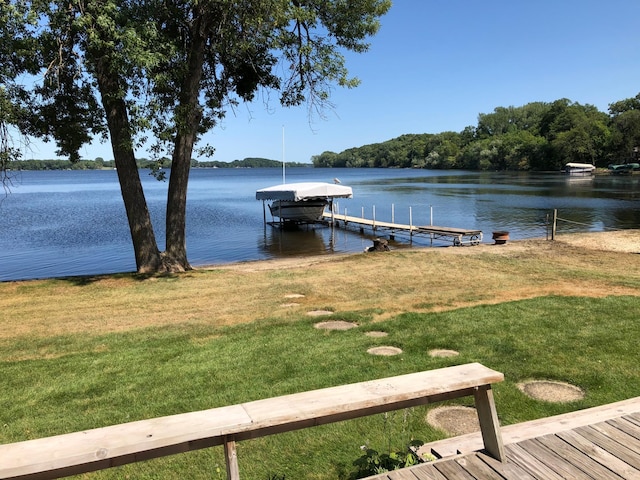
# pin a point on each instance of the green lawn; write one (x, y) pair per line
(69, 383)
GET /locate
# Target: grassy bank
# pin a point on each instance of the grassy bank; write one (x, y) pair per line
(82, 353)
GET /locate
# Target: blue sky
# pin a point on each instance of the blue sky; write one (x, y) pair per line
(435, 65)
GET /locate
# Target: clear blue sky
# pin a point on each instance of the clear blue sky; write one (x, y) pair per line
(436, 64)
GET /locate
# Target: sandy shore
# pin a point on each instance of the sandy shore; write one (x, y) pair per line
(615, 241)
(627, 241)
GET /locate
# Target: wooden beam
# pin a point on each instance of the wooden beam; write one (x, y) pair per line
(489, 423)
(231, 457)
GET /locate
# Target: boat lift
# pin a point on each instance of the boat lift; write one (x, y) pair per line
(298, 197)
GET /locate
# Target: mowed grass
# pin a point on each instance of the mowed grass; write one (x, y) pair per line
(68, 382)
(81, 353)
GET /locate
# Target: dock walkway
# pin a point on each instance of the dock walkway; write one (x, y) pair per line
(458, 236)
(600, 443)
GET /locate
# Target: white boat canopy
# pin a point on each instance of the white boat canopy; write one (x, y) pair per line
(586, 166)
(295, 192)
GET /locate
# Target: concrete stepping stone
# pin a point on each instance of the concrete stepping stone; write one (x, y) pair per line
(319, 313)
(551, 391)
(454, 419)
(443, 353)
(335, 325)
(386, 351)
(376, 334)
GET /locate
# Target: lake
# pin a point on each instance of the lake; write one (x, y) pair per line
(68, 223)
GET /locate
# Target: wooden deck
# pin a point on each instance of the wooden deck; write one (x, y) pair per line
(601, 443)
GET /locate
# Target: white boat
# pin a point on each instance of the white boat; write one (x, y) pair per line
(303, 201)
(579, 169)
(302, 211)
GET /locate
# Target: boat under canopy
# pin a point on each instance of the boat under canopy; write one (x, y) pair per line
(297, 192)
(301, 202)
(579, 169)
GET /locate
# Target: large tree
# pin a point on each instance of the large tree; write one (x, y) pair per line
(14, 25)
(170, 69)
(625, 126)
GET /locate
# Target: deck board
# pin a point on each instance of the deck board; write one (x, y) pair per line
(564, 447)
(476, 467)
(453, 470)
(578, 458)
(625, 426)
(525, 460)
(599, 454)
(553, 460)
(611, 446)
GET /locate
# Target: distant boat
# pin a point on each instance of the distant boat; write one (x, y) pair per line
(579, 169)
(302, 202)
(624, 169)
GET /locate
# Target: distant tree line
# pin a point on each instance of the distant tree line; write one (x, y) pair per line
(54, 164)
(538, 136)
(100, 164)
(247, 163)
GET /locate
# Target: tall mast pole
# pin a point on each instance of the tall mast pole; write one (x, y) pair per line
(283, 161)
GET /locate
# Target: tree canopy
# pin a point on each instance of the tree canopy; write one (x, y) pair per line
(537, 136)
(165, 72)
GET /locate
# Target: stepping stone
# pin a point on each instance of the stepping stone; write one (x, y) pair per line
(443, 353)
(319, 313)
(336, 325)
(454, 419)
(376, 334)
(385, 351)
(551, 391)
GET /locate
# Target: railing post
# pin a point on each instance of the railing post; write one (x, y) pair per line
(333, 222)
(489, 423)
(231, 457)
(410, 223)
(374, 218)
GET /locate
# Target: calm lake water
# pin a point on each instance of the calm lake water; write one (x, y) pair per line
(66, 223)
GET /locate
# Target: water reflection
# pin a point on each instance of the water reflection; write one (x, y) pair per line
(294, 241)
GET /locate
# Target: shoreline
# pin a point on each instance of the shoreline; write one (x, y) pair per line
(384, 284)
(623, 241)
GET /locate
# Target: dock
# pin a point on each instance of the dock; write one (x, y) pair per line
(457, 236)
(593, 444)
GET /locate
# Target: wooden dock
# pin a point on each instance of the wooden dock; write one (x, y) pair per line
(458, 236)
(601, 443)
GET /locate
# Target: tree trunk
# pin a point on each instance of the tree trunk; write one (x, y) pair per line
(147, 254)
(176, 251)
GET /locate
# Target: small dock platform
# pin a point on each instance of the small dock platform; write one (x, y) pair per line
(458, 236)
(600, 443)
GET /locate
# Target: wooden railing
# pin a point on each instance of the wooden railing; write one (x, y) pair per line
(101, 448)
